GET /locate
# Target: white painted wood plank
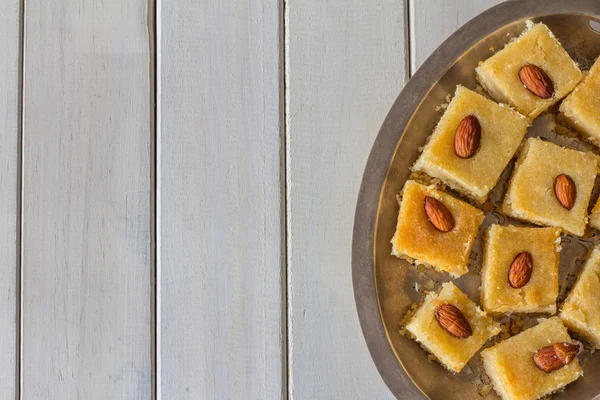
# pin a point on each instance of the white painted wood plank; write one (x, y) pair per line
(222, 306)
(9, 196)
(87, 196)
(432, 21)
(345, 67)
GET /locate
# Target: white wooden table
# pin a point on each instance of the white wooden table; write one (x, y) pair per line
(178, 183)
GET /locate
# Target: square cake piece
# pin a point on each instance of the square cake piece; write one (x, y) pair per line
(500, 131)
(549, 74)
(580, 312)
(551, 186)
(595, 215)
(582, 107)
(514, 373)
(420, 241)
(520, 270)
(426, 325)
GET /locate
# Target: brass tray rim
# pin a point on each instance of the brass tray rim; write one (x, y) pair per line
(388, 142)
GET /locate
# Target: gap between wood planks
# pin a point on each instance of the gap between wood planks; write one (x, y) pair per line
(283, 212)
(154, 34)
(19, 274)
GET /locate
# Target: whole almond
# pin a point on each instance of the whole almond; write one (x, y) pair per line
(520, 270)
(565, 191)
(453, 321)
(467, 137)
(438, 214)
(537, 81)
(556, 356)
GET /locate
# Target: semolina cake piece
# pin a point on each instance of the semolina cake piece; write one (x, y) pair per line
(511, 367)
(551, 186)
(502, 75)
(420, 241)
(533, 289)
(500, 131)
(595, 215)
(582, 107)
(580, 312)
(427, 325)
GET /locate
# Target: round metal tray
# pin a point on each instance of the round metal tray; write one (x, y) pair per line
(384, 286)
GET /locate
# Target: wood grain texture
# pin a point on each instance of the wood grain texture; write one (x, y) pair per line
(345, 66)
(9, 195)
(222, 297)
(87, 195)
(432, 21)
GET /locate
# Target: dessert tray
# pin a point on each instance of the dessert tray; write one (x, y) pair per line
(439, 319)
